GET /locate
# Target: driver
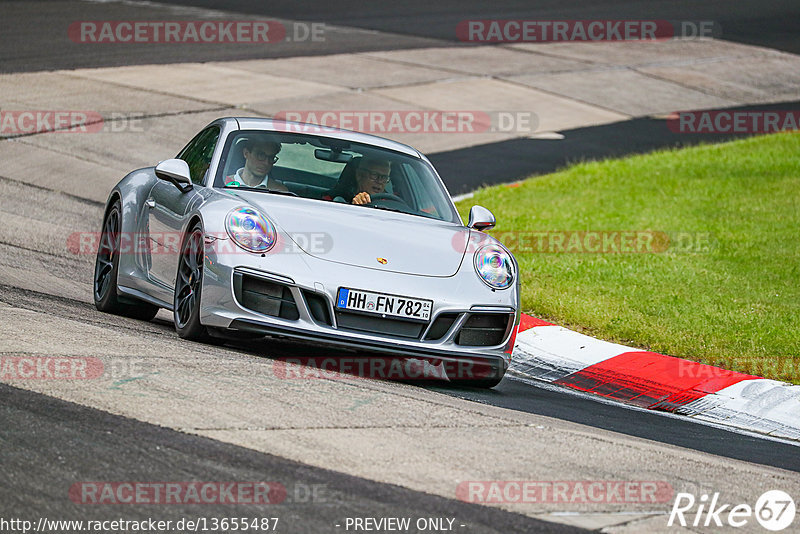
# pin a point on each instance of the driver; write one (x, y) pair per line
(372, 176)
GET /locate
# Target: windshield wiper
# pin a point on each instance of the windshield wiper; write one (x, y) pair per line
(279, 192)
(390, 209)
(414, 213)
(265, 190)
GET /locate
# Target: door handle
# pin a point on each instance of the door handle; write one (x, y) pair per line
(150, 203)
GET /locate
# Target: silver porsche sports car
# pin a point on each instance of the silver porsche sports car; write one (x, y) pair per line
(270, 228)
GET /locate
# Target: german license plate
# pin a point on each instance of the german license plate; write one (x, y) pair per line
(383, 304)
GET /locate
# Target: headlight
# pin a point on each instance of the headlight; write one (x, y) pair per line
(250, 230)
(494, 266)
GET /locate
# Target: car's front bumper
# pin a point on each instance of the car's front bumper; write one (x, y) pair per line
(306, 278)
(455, 366)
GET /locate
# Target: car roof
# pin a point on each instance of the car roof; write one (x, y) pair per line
(275, 125)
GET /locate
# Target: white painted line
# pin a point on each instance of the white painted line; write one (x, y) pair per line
(465, 196)
(554, 136)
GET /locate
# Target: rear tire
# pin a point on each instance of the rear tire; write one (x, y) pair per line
(188, 287)
(106, 270)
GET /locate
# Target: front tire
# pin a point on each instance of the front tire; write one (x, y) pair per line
(482, 383)
(106, 270)
(188, 286)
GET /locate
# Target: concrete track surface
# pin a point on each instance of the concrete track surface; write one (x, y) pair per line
(416, 440)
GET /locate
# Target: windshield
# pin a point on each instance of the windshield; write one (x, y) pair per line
(332, 170)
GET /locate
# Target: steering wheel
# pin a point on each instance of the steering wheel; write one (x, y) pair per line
(374, 199)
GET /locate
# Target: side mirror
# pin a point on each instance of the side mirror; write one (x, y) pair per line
(480, 219)
(177, 172)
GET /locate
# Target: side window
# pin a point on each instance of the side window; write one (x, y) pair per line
(198, 153)
(422, 189)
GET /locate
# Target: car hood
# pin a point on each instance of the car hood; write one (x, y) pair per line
(366, 237)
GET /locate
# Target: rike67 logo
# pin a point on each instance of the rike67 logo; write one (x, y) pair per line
(774, 510)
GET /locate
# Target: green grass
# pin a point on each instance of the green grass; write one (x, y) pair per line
(729, 296)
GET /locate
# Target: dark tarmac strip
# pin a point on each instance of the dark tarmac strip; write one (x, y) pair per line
(48, 445)
(578, 408)
(774, 23)
(467, 169)
(362, 27)
(53, 46)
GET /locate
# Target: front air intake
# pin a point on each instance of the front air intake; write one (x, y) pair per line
(264, 296)
(484, 329)
(440, 326)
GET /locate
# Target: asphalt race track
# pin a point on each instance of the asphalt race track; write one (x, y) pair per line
(466, 169)
(45, 441)
(177, 411)
(390, 438)
(774, 24)
(516, 394)
(352, 27)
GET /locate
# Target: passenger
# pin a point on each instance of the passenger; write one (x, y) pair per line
(260, 154)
